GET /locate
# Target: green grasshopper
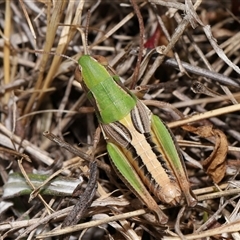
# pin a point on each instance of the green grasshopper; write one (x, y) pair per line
(143, 150)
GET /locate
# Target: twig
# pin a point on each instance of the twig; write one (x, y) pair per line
(204, 72)
(85, 199)
(141, 43)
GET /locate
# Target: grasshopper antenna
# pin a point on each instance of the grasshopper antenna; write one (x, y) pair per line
(87, 28)
(49, 53)
(84, 34)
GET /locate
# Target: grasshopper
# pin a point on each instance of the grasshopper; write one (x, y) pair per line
(142, 149)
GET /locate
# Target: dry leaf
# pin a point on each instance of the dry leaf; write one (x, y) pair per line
(215, 164)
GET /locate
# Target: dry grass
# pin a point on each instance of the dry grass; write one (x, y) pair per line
(38, 93)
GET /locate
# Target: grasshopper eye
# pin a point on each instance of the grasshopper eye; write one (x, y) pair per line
(78, 74)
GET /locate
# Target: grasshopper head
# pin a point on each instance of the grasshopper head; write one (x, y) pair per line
(111, 101)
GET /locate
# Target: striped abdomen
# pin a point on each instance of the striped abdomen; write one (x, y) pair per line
(138, 143)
